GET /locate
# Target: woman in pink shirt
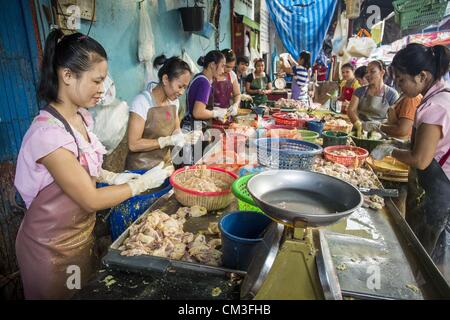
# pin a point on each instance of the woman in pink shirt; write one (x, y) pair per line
(58, 165)
(419, 70)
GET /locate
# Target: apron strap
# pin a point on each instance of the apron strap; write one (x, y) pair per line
(67, 126)
(444, 158)
(147, 94)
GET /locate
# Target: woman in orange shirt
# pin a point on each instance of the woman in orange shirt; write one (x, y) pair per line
(400, 118)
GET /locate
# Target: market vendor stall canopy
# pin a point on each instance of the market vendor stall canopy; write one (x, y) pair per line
(302, 25)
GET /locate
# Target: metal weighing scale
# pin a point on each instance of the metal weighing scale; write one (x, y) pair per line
(293, 261)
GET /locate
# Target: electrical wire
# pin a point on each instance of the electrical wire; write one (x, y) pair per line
(92, 19)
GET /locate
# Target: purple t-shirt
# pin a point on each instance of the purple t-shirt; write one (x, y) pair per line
(199, 90)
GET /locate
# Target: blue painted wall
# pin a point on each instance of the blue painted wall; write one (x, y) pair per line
(18, 75)
(117, 28)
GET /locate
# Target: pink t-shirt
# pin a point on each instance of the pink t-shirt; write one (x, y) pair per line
(436, 110)
(45, 135)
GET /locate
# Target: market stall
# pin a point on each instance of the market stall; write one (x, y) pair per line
(362, 249)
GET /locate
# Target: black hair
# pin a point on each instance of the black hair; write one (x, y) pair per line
(361, 72)
(348, 66)
(243, 59)
(380, 64)
(229, 54)
(306, 56)
(415, 58)
(258, 60)
(76, 52)
(213, 56)
(173, 67)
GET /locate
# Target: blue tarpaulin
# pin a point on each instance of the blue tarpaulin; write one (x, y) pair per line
(302, 24)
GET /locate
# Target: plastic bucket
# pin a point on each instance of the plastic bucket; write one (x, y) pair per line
(334, 138)
(241, 232)
(124, 214)
(192, 18)
(316, 126)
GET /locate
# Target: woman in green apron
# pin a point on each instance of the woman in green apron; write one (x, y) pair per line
(154, 125)
(371, 103)
(419, 70)
(258, 84)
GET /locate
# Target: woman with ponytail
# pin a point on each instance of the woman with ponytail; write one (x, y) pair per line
(59, 163)
(198, 105)
(420, 70)
(154, 125)
(226, 91)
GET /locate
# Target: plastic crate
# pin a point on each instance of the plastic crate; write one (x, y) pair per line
(414, 13)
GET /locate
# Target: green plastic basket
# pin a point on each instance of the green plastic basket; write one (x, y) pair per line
(308, 135)
(417, 13)
(239, 189)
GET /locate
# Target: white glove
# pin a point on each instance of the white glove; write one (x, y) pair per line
(174, 140)
(193, 137)
(153, 178)
(219, 113)
(383, 150)
(371, 126)
(113, 178)
(234, 109)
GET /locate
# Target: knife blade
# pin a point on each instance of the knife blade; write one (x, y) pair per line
(393, 193)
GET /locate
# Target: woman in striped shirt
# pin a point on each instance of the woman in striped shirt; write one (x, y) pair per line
(301, 71)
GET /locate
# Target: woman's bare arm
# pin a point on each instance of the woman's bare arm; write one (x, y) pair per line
(136, 143)
(401, 129)
(427, 139)
(352, 110)
(200, 112)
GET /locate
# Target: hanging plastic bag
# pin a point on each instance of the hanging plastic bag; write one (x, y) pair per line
(190, 62)
(359, 46)
(146, 45)
(340, 35)
(110, 123)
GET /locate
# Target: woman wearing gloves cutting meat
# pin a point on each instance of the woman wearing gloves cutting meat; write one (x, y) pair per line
(226, 86)
(58, 165)
(199, 91)
(419, 70)
(154, 125)
(371, 103)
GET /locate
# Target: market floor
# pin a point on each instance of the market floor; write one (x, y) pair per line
(171, 284)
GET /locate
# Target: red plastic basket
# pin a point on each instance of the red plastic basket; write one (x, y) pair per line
(209, 200)
(284, 119)
(347, 161)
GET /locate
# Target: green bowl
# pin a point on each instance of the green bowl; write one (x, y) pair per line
(334, 138)
(308, 135)
(367, 144)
